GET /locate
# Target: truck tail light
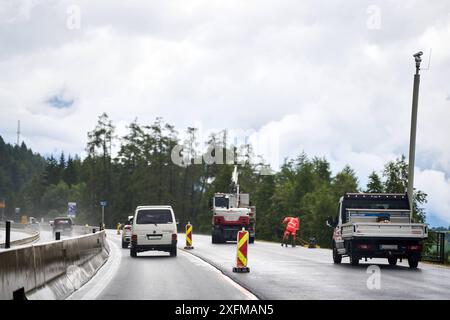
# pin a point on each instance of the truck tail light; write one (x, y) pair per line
(414, 248)
(363, 246)
(174, 236)
(244, 220)
(134, 237)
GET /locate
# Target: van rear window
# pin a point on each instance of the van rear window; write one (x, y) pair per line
(154, 216)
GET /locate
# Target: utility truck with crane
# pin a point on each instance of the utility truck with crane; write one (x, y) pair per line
(377, 225)
(232, 212)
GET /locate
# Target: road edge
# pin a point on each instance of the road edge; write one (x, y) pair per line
(231, 278)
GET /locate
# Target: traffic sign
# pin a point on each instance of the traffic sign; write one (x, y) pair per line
(103, 203)
(72, 209)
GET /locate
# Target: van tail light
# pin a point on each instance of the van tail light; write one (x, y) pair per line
(134, 237)
(414, 248)
(174, 236)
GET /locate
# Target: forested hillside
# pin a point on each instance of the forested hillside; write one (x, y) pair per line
(143, 173)
(18, 166)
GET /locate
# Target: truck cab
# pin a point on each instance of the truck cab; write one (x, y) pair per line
(231, 213)
(370, 225)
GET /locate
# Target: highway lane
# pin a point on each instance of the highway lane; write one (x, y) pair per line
(300, 273)
(156, 275)
(45, 235)
(15, 235)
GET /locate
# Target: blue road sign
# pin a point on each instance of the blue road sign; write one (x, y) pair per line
(72, 209)
(103, 203)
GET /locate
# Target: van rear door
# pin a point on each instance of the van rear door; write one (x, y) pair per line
(154, 226)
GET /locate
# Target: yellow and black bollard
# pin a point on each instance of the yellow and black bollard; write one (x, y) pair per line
(242, 250)
(189, 236)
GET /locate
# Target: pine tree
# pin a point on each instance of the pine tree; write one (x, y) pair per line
(396, 175)
(374, 185)
(70, 174)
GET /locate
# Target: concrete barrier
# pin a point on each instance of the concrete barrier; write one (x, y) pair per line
(52, 270)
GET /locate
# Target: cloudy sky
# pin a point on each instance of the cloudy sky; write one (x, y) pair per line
(332, 78)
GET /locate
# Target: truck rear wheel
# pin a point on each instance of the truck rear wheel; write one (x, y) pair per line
(392, 261)
(217, 237)
(337, 258)
(354, 259)
(413, 262)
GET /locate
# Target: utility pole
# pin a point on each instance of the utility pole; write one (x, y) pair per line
(412, 140)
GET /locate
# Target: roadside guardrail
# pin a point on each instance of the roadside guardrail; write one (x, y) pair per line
(51, 270)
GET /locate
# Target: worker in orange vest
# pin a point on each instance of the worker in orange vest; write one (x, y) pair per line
(292, 225)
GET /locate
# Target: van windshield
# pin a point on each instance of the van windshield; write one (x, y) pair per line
(154, 216)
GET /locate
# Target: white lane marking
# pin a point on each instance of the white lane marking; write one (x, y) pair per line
(94, 287)
(245, 292)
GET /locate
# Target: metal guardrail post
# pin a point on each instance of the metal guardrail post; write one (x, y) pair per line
(8, 234)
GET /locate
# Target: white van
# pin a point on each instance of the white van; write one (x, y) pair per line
(154, 228)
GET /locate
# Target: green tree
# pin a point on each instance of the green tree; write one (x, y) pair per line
(396, 175)
(344, 181)
(374, 185)
(70, 173)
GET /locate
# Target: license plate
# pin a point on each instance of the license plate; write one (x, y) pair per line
(389, 247)
(156, 237)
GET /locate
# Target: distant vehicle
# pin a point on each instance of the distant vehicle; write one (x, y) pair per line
(33, 220)
(370, 225)
(126, 232)
(64, 225)
(51, 223)
(154, 228)
(231, 212)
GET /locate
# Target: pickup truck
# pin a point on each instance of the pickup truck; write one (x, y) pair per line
(376, 225)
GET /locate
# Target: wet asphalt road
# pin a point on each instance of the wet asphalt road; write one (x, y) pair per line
(300, 273)
(156, 275)
(15, 235)
(276, 273)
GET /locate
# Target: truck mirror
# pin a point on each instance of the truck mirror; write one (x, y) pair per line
(330, 222)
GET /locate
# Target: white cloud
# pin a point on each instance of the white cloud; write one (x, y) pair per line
(437, 186)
